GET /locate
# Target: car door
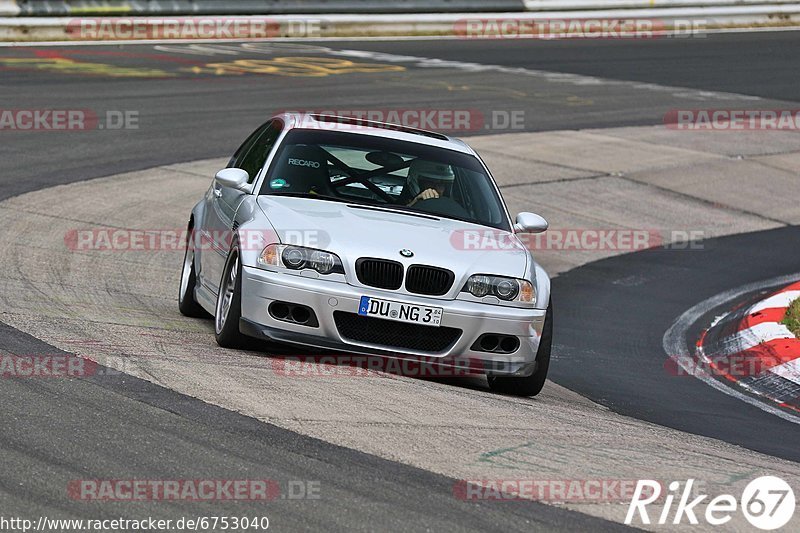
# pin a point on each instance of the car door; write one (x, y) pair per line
(223, 202)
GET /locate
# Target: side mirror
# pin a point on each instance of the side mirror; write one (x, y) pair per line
(235, 178)
(530, 223)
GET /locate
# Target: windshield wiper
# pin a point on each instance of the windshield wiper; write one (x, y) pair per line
(394, 210)
(312, 195)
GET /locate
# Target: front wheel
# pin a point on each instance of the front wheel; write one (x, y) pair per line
(229, 303)
(530, 385)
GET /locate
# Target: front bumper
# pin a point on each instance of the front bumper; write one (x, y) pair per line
(260, 288)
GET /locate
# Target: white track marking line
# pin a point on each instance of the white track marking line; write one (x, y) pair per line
(782, 299)
(752, 337)
(674, 341)
(427, 62)
(789, 370)
(550, 76)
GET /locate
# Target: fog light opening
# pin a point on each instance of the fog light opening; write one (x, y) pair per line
(509, 344)
(280, 311)
(301, 315)
(489, 343)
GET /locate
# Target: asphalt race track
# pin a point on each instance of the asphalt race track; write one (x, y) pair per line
(195, 103)
(138, 430)
(586, 295)
(175, 106)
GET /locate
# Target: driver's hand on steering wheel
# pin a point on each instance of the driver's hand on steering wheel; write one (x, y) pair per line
(428, 194)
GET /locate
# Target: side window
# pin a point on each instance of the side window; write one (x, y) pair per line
(237, 158)
(252, 155)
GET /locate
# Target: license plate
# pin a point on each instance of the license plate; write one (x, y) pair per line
(400, 312)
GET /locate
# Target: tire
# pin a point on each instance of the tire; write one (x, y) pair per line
(229, 303)
(187, 304)
(530, 385)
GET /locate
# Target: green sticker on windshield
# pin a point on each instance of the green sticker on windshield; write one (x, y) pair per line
(278, 184)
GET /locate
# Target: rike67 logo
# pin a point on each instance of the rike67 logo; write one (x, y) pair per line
(767, 502)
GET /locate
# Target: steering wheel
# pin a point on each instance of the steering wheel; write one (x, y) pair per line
(442, 206)
(368, 184)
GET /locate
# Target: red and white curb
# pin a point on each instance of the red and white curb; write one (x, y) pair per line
(751, 348)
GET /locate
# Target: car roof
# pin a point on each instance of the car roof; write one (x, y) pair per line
(377, 129)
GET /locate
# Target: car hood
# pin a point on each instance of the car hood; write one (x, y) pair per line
(352, 231)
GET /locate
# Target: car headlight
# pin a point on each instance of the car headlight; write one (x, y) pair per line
(299, 258)
(507, 289)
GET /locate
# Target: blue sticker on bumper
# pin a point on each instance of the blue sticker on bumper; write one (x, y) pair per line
(364, 306)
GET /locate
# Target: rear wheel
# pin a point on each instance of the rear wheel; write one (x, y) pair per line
(229, 303)
(187, 305)
(530, 385)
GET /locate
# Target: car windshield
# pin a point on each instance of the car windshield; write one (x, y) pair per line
(369, 170)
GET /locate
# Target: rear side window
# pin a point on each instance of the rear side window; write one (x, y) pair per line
(237, 158)
(252, 155)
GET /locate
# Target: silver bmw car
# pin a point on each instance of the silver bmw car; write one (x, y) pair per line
(341, 234)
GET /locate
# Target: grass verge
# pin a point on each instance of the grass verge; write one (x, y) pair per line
(792, 318)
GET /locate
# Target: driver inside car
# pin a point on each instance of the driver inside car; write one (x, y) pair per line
(428, 180)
